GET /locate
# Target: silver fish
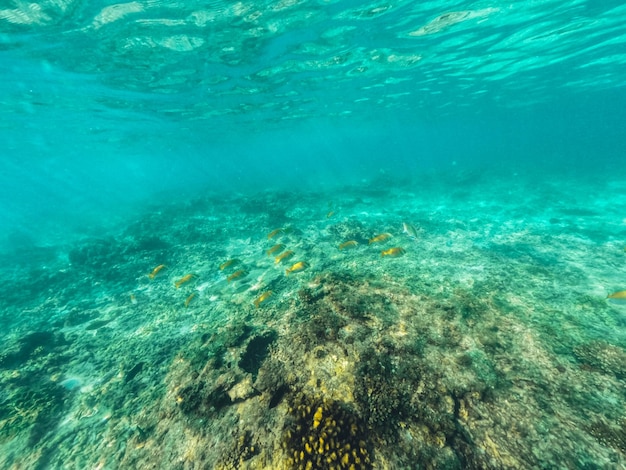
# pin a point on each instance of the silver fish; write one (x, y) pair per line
(409, 229)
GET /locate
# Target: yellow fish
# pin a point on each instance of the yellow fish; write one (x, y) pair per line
(275, 249)
(383, 237)
(237, 274)
(229, 263)
(189, 299)
(273, 233)
(262, 298)
(393, 252)
(182, 280)
(155, 271)
(619, 295)
(349, 244)
(283, 256)
(299, 266)
(330, 214)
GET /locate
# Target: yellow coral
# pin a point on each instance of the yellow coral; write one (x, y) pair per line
(317, 418)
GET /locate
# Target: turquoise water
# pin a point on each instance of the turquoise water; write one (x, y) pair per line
(159, 157)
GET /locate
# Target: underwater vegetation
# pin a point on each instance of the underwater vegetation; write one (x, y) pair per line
(389, 341)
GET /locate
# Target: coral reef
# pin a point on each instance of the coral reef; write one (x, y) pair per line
(462, 353)
(324, 434)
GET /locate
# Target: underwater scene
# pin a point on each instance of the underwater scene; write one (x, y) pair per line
(320, 234)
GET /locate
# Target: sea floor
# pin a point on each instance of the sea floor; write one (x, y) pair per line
(486, 342)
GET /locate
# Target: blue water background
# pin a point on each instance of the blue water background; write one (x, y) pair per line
(73, 163)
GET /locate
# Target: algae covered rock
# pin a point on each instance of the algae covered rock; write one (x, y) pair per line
(600, 355)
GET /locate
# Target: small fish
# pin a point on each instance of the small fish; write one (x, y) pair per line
(619, 295)
(330, 214)
(275, 249)
(275, 232)
(383, 237)
(283, 256)
(182, 280)
(299, 266)
(155, 271)
(393, 252)
(348, 244)
(237, 274)
(229, 263)
(409, 229)
(262, 298)
(133, 299)
(189, 299)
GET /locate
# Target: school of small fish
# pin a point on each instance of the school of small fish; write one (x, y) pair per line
(235, 270)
